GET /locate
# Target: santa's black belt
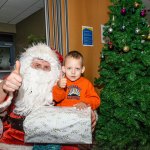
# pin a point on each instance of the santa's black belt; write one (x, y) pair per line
(16, 123)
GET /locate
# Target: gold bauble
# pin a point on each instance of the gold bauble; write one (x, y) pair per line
(136, 5)
(144, 36)
(126, 48)
(148, 37)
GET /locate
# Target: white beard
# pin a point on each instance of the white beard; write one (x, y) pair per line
(35, 91)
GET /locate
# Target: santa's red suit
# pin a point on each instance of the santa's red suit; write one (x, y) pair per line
(12, 127)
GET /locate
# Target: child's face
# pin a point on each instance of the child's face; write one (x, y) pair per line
(73, 68)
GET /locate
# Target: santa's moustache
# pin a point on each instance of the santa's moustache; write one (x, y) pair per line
(36, 90)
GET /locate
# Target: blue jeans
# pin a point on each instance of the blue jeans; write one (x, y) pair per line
(46, 147)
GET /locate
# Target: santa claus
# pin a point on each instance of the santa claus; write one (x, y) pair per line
(28, 86)
(34, 77)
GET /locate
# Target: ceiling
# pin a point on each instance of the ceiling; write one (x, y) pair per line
(13, 11)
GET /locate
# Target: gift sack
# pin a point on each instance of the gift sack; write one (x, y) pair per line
(52, 124)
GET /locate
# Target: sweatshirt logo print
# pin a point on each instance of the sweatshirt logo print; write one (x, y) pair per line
(73, 92)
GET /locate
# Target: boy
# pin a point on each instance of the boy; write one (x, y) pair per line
(73, 89)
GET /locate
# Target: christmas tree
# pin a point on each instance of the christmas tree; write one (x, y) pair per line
(124, 76)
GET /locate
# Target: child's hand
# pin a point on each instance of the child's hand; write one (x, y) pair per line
(81, 105)
(62, 82)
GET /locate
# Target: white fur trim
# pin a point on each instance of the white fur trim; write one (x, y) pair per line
(4, 146)
(6, 103)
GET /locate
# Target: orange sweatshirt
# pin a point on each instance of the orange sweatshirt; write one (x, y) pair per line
(78, 91)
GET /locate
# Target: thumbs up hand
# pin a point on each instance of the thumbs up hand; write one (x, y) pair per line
(62, 82)
(17, 68)
(14, 80)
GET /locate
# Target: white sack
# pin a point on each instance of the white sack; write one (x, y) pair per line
(51, 124)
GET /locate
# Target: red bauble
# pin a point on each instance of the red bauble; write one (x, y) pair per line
(123, 11)
(110, 45)
(143, 13)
